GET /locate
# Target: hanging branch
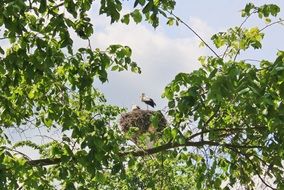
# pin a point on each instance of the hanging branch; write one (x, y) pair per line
(192, 30)
(276, 22)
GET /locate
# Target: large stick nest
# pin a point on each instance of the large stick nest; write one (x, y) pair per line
(143, 121)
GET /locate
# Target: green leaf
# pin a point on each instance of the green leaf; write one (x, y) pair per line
(148, 7)
(1, 20)
(2, 70)
(247, 10)
(31, 94)
(42, 6)
(125, 19)
(136, 15)
(170, 21)
(48, 122)
(274, 9)
(174, 133)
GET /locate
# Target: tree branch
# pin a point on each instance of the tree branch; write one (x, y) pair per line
(241, 25)
(276, 22)
(45, 161)
(167, 146)
(186, 144)
(191, 29)
(52, 161)
(170, 145)
(222, 129)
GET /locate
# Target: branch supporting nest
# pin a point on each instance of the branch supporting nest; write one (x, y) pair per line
(52, 161)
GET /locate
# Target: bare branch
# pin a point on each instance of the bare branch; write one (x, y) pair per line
(253, 60)
(222, 129)
(192, 30)
(276, 22)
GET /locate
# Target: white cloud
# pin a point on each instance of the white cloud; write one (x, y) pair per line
(160, 56)
(203, 29)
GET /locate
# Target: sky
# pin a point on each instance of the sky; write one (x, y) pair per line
(167, 50)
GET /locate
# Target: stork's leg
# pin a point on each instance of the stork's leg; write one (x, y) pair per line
(147, 106)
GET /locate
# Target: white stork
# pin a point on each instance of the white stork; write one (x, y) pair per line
(148, 101)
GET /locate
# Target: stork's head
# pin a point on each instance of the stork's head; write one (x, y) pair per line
(142, 96)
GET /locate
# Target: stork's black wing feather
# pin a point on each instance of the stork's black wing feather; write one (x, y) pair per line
(151, 102)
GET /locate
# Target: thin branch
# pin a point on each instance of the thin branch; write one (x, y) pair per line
(221, 129)
(18, 152)
(245, 20)
(6, 38)
(238, 52)
(254, 60)
(192, 30)
(212, 117)
(276, 22)
(89, 44)
(45, 161)
(58, 5)
(241, 25)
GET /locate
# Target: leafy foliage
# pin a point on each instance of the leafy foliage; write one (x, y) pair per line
(225, 118)
(236, 107)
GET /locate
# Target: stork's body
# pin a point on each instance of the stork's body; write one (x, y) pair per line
(148, 101)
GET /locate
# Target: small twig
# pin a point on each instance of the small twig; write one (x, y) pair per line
(30, 4)
(89, 44)
(18, 152)
(238, 52)
(222, 129)
(255, 60)
(58, 5)
(245, 20)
